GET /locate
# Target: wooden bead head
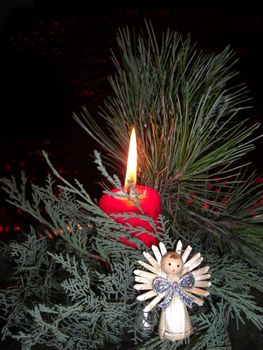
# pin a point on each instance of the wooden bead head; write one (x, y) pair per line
(172, 263)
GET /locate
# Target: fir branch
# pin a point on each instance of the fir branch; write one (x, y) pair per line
(17, 197)
(230, 284)
(216, 336)
(79, 190)
(112, 180)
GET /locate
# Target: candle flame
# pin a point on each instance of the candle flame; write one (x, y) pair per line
(131, 171)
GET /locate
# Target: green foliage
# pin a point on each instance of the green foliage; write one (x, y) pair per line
(188, 110)
(182, 107)
(75, 290)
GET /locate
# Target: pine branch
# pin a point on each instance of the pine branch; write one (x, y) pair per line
(186, 110)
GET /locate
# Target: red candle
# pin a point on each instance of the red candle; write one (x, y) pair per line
(149, 201)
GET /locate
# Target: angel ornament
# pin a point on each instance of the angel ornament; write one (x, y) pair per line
(174, 283)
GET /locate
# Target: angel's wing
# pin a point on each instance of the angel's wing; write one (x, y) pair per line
(201, 276)
(145, 278)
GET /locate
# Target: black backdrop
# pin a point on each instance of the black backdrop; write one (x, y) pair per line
(55, 57)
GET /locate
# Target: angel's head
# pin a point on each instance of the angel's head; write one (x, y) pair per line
(172, 263)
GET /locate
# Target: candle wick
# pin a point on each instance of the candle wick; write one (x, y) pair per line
(130, 191)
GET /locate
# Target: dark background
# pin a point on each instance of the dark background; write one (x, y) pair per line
(55, 57)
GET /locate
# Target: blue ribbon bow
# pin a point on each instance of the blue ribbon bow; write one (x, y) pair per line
(161, 285)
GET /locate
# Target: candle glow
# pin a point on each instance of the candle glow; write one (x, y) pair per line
(131, 171)
(148, 200)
